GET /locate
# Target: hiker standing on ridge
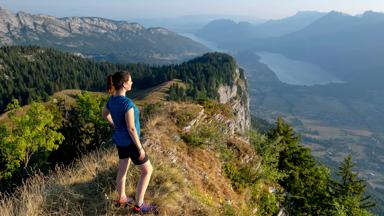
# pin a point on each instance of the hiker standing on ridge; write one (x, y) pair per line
(123, 116)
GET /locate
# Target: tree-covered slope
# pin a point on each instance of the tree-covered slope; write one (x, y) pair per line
(199, 168)
(28, 73)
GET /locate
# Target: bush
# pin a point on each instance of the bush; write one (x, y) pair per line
(204, 134)
(213, 107)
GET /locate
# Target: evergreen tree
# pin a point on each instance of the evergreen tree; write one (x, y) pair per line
(306, 182)
(349, 192)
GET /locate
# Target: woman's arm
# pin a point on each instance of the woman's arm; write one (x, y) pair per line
(130, 121)
(107, 116)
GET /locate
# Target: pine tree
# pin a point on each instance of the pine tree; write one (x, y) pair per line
(351, 188)
(306, 182)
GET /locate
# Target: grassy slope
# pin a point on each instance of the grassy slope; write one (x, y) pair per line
(186, 180)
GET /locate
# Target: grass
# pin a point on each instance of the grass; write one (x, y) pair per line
(186, 180)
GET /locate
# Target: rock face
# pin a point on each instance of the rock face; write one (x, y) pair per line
(103, 39)
(238, 98)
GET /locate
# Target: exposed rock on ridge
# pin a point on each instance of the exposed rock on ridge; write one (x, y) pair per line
(238, 98)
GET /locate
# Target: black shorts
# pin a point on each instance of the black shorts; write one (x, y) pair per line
(131, 151)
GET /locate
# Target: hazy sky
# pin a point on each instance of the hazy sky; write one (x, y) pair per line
(125, 9)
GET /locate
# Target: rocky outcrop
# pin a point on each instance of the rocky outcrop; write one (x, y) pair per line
(238, 98)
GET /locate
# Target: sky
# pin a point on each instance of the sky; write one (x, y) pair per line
(133, 9)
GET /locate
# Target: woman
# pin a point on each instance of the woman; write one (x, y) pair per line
(123, 116)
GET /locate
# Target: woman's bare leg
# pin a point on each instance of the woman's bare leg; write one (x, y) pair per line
(121, 176)
(146, 172)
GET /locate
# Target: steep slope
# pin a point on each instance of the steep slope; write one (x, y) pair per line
(189, 176)
(97, 38)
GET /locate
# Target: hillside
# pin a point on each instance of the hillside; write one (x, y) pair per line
(97, 38)
(196, 130)
(188, 179)
(201, 167)
(30, 73)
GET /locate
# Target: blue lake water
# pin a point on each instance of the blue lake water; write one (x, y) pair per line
(296, 72)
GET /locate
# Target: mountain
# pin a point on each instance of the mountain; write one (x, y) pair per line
(187, 143)
(192, 23)
(97, 38)
(225, 31)
(195, 129)
(301, 19)
(230, 34)
(350, 47)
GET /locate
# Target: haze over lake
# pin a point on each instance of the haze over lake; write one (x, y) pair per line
(209, 44)
(296, 72)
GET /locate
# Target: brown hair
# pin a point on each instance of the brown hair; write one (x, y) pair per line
(116, 81)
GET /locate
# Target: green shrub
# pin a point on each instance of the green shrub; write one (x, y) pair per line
(204, 134)
(229, 210)
(268, 204)
(213, 107)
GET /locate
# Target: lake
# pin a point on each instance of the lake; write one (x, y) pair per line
(296, 72)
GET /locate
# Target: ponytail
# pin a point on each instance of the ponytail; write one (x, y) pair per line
(110, 89)
(116, 81)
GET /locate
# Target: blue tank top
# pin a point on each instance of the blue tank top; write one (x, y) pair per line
(118, 106)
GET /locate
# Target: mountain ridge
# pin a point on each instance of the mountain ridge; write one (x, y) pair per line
(117, 41)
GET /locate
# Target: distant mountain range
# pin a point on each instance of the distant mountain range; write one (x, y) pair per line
(98, 38)
(226, 31)
(192, 23)
(350, 47)
(301, 19)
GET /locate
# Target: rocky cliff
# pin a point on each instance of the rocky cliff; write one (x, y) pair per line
(238, 98)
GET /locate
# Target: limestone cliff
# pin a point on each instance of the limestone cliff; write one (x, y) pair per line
(238, 98)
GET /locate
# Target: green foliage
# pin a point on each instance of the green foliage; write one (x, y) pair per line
(34, 138)
(311, 191)
(350, 205)
(270, 152)
(349, 192)
(306, 182)
(229, 210)
(94, 129)
(204, 134)
(90, 107)
(241, 176)
(260, 124)
(31, 133)
(177, 93)
(213, 107)
(268, 204)
(183, 117)
(35, 73)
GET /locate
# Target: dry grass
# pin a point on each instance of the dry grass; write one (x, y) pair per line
(154, 94)
(186, 180)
